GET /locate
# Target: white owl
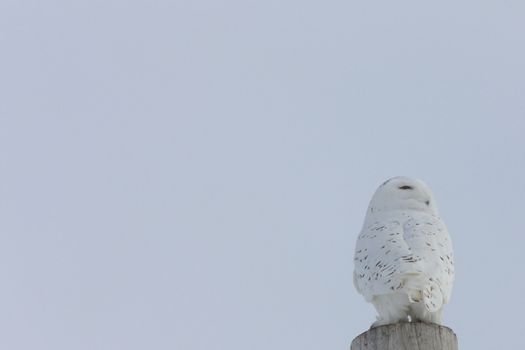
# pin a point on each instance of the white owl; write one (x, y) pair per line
(403, 258)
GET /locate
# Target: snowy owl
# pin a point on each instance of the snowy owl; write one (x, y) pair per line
(403, 257)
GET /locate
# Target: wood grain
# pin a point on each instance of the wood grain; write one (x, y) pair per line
(407, 336)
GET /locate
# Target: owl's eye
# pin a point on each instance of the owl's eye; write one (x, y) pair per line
(406, 187)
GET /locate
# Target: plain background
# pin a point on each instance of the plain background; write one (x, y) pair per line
(193, 174)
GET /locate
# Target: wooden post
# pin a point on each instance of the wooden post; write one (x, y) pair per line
(407, 336)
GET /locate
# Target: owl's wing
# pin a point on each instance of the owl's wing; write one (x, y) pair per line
(430, 242)
(412, 255)
(379, 257)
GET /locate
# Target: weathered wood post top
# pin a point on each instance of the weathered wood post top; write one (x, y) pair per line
(407, 336)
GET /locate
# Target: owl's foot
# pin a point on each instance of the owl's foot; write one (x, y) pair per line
(383, 322)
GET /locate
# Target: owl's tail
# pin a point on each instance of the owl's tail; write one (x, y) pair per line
(421, 288)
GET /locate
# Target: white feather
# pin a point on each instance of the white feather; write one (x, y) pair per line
(403, 259)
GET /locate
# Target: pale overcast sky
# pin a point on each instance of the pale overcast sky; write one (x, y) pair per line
(193, 174)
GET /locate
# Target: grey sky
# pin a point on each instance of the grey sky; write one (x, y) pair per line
(193, 174)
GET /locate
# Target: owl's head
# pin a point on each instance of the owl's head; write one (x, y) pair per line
(403, 193)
